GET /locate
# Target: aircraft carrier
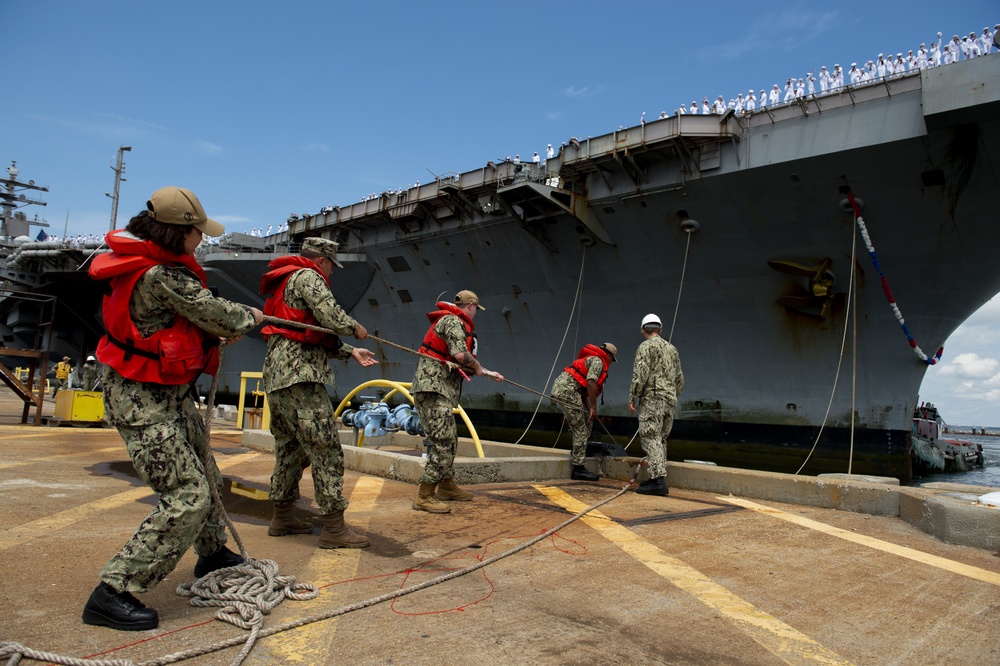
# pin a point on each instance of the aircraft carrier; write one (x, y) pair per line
(738, 230)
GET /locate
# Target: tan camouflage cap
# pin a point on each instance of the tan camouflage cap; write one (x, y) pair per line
(324, 247)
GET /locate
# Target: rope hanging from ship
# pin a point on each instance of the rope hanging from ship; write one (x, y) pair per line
(885, 285)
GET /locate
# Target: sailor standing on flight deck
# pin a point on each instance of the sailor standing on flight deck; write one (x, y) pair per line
(449, 350)
(296, 370)
(576, 390)
(657, 382)
(163, 329)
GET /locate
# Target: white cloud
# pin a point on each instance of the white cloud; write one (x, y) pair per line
(971, 366)
(785, 31)
(210, 148)
(581, 91)
(316, 148)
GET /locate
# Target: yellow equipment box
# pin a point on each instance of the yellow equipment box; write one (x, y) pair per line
(80, 406)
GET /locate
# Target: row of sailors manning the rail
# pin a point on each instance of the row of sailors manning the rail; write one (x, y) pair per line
(164, 328)
(883, 67)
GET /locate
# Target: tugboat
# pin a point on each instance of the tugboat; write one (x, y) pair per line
(932, 452)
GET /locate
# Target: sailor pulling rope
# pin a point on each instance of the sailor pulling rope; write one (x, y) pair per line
(450, 364)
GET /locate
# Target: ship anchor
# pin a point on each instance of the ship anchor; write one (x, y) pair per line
(819, 292)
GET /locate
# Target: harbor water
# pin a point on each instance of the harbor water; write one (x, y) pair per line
(988, 475)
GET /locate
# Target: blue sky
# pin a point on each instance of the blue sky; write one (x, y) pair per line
(266, 108)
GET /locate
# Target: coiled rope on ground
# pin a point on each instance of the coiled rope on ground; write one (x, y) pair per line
(13, 651)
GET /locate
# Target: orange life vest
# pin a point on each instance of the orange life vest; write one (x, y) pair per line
(174, 355)
(578, 368)
(273, 284)
(435, 346)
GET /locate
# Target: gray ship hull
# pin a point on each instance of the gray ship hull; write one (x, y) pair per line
(708, 216)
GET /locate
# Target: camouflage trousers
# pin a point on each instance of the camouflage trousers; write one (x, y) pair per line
(577, 421)
(438, 419)
(58, 384)
(168, 456)
(305, 433)
(656, 418)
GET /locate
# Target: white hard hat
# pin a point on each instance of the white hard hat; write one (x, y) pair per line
(651, 319)
(91, 358)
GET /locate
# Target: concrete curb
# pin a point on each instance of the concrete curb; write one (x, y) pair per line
(949, 512)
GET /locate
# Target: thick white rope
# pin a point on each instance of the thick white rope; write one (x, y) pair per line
(840, 360)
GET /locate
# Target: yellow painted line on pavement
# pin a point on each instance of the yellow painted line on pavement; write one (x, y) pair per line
(314, 643)
(33, 434)
(782, 640)
(63, 456)
(976, 573)
(37, 528)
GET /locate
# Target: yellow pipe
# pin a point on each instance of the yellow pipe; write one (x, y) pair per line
(403, 388)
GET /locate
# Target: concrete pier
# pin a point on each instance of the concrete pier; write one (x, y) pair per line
(732, 567)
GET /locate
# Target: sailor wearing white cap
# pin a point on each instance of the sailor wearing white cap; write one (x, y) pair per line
(935, 57)
(824, 80)
(549, 152)
(751, 102)
(810, 83)
(789, 91)
(975, 50)
(762, 100)
(855, 74)
(694, 107)
(775, 95)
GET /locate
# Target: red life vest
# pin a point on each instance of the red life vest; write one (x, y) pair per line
(435, 346)
(174, 355)
(273, 284)
(578, 368)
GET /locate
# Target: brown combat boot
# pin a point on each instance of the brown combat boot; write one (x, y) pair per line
(336, 534)
(427, 502)
(448, 490)
(284, 521)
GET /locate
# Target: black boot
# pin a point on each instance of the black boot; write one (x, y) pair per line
(656, 486)
(107, 607)
(580, 473)
(218, 560)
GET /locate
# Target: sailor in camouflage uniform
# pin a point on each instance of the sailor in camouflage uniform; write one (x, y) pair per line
(296, 370)
(657, 382)
(449, 350)
(163, 328)
(576, 391)
(88, 374)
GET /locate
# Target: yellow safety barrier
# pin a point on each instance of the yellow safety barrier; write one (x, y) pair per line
(265, 413)
(403, 389)
(22, 376)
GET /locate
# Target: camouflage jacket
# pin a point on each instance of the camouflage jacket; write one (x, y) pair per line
(161, 294)
(433, 376)
(656, 371)
(88, 376)
(289, 362)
